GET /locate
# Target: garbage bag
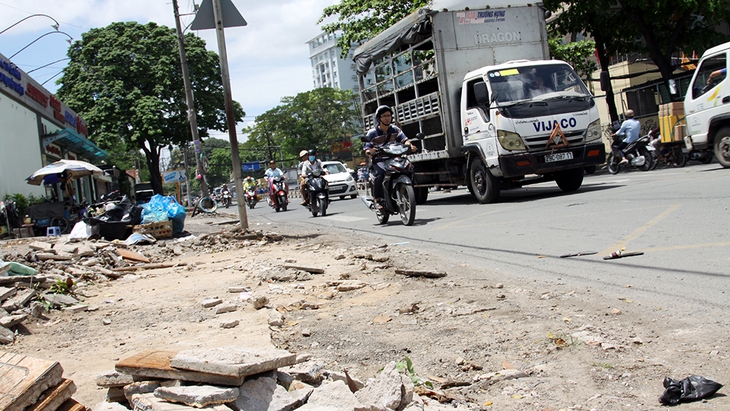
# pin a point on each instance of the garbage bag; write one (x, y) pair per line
(81, 231)
(154, 211)
(689, 389)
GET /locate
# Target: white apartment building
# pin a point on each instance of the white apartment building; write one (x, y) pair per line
(328, 68)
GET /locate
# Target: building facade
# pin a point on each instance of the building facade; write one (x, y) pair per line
(37, 129)
(329, 69)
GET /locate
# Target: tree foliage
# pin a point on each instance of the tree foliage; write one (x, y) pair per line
(126, 81)
(576, 53)
(312, 119)
(360, 20)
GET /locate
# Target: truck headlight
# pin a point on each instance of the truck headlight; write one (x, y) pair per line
(593, 132)
(510, 141)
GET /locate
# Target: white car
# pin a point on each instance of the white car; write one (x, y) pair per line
(340, 181)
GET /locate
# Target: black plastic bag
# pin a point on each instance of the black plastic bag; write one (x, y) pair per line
(689, 389)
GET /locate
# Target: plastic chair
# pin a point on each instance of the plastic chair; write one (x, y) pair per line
(53, 231)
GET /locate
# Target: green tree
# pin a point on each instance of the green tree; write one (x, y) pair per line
(216, 154)
(312, 119)
(576, 53)
(126, 81)
(360, 20)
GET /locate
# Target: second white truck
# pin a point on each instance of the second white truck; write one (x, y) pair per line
(494, 112)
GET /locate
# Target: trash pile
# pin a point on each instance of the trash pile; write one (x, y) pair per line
(241, 378)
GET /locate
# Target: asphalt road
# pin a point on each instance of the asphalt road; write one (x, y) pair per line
(678, 217)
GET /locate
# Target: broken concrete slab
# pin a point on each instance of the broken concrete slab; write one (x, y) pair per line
(420, 273)
(145, 387)
(198, 396)
(109, 406)
(233, 361)
(264, 394)
(131, 255)
(228, 307)
(19, 300)
(76, 308)
(6, 336)
(7, 292)
(211, 302)
(12, 320)
(113, 378)
(157, 364)
(59, 300)
(40, 246)
(148, 402)
(313, 270)
(229, 324)
(334, 396)
(390, 390)
(24, 379)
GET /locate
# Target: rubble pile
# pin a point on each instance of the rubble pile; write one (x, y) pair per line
(62, 268)
(239, 378)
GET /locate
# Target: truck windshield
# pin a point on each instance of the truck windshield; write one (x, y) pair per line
(539, 90)
(539, 82)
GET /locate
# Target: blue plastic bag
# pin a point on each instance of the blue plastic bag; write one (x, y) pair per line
(160, 209)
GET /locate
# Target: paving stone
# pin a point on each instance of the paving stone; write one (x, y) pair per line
(148, 402)
(113, 378)
(12, 320)
(232, 360)
(264, 394)
(198, 395)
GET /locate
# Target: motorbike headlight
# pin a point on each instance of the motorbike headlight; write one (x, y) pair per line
(593, 132)
(510, 141)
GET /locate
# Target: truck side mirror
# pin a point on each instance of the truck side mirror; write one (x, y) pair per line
(481, 94)
(605, 80)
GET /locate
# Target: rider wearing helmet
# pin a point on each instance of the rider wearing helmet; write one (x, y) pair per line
(249, 182)
(383, 133)
(303, 157)
(312, 163)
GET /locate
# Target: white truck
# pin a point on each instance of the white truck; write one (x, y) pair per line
(494, 113)
(706, 107)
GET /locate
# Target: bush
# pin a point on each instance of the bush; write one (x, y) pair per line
(22, 202)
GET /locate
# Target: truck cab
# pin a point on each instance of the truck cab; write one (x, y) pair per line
(706, 107)
(525, 118)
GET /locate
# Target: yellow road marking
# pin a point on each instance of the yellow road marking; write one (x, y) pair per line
(639, 231)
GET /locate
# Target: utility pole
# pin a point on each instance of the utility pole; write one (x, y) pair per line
(230, 114)
(190, 103)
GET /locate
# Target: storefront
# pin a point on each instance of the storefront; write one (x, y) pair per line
(37, 129)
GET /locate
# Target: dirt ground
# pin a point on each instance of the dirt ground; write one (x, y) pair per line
(569, 349)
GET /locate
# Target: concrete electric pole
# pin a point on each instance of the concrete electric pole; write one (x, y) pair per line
(219, 14)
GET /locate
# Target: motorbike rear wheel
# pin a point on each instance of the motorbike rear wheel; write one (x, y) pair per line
(612, 164)
(406, 203)
(678, 157)
(382, 216)
(648, 159)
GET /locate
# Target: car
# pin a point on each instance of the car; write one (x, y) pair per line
(340, 181)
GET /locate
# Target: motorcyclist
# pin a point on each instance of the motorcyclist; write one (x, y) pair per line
(250, 184)
(302, 180)
(383, 133)
(631, 128)
(271, 172)
(312, 163)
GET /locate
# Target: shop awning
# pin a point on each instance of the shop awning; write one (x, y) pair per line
(72, 141)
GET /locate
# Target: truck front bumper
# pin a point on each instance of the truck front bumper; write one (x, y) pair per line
(534, 162)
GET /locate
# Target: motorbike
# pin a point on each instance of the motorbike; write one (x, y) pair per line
(9, 218)
(226, 198)
(639, 154)
(278, 197)
(251, 197)
(398, 194)
(317, 193)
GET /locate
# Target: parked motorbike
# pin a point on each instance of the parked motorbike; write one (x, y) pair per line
(250, 197)
(317, 193)
(398, 194)
(639, 154)
(226, 198)
(669, 154)
(278, 193)
(9, 218)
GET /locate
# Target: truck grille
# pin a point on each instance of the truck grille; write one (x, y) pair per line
(539, 142)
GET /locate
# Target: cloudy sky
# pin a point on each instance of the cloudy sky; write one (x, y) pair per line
(268, 59)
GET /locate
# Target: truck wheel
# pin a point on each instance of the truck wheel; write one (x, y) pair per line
(483, 184)
(722, 147)
(569, 180)
(421, 195)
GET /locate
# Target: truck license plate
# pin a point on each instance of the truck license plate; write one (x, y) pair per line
(551, 158)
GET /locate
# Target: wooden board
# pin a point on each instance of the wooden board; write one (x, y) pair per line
(54, 397)
(156, 364)
(72, 405)
(23, 380)
(131, 255)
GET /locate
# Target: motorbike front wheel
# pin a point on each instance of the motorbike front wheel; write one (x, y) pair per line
(314, 207)
(406, 203)
(282, 202)
(323, 203)
(382, 216)
(612, 164)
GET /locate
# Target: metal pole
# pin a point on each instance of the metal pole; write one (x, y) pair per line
(190, 102)
(187, 175)
(230, 115)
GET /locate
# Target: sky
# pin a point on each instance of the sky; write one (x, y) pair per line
(268, 59)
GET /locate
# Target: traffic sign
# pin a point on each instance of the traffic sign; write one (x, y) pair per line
(174, 176)
(249, 167)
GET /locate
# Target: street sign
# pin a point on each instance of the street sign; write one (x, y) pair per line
(174, 176)
(204, 17)
(249, 167)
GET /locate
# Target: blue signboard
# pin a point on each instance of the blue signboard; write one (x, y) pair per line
(249, 167)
